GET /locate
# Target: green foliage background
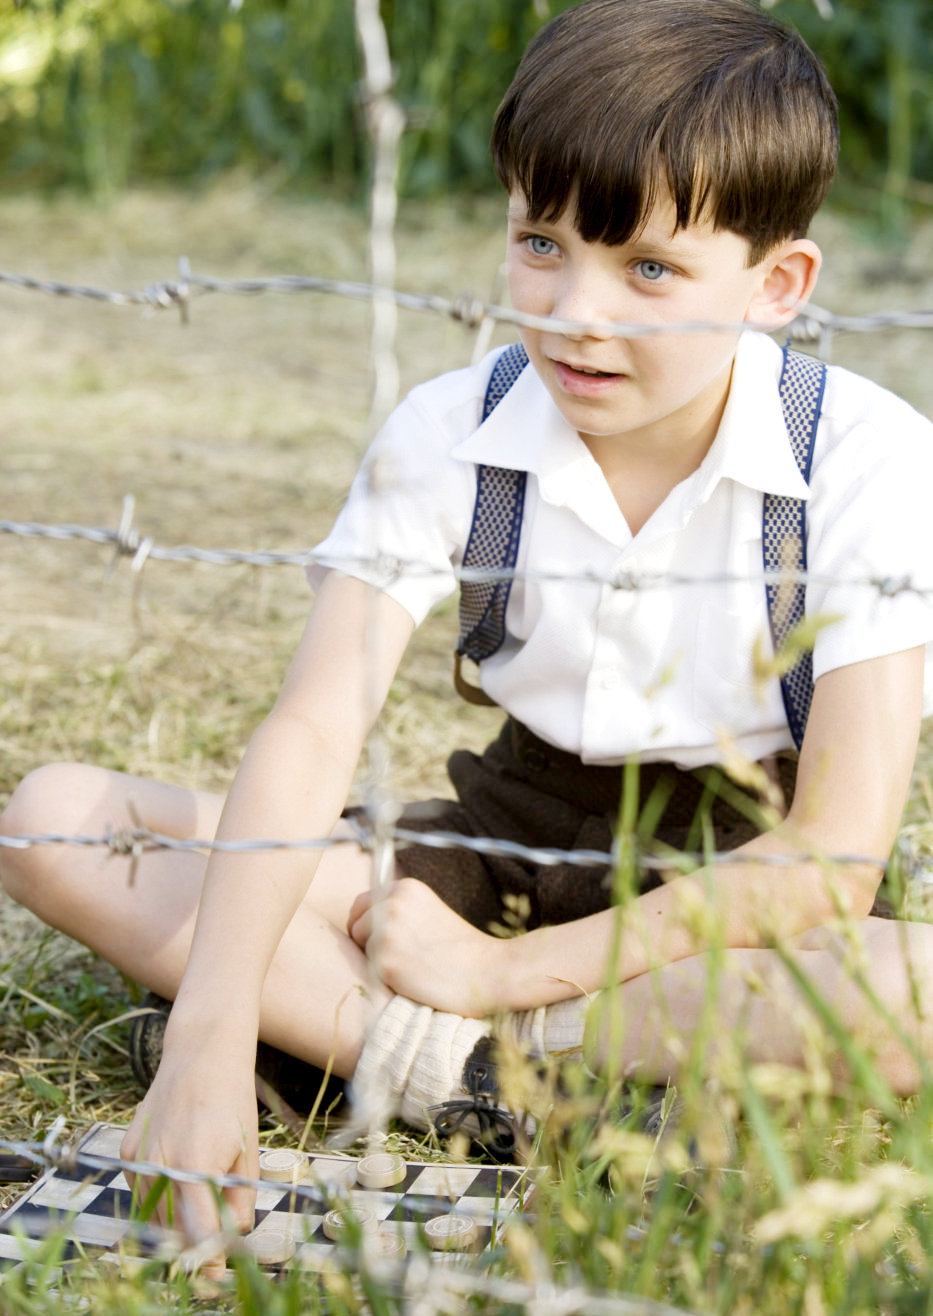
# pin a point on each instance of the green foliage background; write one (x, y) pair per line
(99, 95)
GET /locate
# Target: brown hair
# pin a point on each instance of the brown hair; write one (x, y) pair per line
(714, 97)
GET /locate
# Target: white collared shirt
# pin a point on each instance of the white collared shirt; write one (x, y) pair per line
(662, 663)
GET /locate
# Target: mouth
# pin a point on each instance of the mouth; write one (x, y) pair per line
(589, 371)
(584, 381)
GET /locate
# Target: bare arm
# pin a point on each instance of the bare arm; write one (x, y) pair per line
(852, 782)
(293, 781)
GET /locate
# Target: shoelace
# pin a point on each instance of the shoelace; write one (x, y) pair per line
(496, 1127)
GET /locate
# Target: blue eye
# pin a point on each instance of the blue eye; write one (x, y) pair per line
(541, 246)
(652, 270)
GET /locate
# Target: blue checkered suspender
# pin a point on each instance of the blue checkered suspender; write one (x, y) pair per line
(497, 526)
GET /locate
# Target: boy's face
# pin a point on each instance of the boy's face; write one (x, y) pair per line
(664, 391)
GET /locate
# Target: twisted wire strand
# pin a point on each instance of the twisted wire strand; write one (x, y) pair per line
(542, 1298)
(468, 309)
(137, 841)
(143, 548)
(126, 541)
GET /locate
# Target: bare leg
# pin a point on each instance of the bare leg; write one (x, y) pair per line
(648, 1027)
(318, 997)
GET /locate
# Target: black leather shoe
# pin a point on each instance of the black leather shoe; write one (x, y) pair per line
(147, 1032)
(294, 1081)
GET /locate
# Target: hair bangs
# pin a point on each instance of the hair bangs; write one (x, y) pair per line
(611, 201)
(619, 103)
(604, 182)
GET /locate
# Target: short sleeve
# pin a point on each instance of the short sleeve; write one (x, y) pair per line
(408, 511)
(870, 536)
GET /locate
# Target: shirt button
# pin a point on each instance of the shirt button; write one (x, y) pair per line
(610, 680)
(535, 760)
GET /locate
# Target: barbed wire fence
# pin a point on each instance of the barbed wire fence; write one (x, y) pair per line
(377, 830)
(816, 324)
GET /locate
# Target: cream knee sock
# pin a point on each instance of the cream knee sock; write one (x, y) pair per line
(550, 1030)
(414, 1056)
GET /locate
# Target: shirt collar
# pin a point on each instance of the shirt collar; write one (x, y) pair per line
(526, 432)
(752, 446)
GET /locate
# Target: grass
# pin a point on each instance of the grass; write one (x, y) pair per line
(243, 430)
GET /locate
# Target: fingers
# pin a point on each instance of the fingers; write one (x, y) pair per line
(359, 926)
(202, 1211)
(241, 1201)
(361, 930)
(199, 1215)
(378, 918)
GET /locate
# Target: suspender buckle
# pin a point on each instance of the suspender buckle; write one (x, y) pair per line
(473, 694)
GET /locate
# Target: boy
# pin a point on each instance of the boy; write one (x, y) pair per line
(663, 159)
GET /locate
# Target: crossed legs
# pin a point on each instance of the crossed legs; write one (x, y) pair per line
(874, 979)
(319, 998)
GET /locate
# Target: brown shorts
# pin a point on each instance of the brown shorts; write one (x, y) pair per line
(523, 790)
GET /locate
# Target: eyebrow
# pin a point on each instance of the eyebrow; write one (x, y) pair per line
(673, 246)
(678, 243)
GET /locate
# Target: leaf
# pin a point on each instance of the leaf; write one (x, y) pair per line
(41, 1087)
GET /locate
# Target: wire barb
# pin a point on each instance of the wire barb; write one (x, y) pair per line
(128, 542)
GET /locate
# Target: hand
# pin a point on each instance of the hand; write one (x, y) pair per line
(199, 1116)
(422, 949)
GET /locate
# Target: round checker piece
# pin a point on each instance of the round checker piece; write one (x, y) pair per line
(336, 1223)
(381, 1170)
(272, 1247)
(389, 1244)
(334, 1175)
(281, 1165)
(451, 1232)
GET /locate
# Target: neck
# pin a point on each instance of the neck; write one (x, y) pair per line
(643, 466)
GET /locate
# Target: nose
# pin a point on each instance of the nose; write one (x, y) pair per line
(587, 298)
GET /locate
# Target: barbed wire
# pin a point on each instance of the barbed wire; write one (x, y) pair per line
(375, 833)
(128, 542)
(138, 840)
(469, 309)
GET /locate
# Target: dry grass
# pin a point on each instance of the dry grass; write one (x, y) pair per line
(241, 430)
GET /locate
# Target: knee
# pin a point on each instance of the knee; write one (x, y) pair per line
(35, 808)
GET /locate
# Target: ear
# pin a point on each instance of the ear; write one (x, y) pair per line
(788, 277)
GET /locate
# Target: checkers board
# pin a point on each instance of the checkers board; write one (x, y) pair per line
(91, 1208)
